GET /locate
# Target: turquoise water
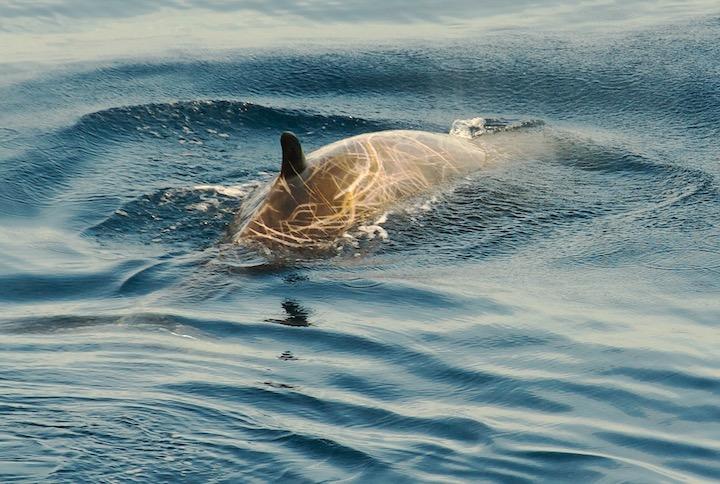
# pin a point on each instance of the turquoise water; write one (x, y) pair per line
(553, 317)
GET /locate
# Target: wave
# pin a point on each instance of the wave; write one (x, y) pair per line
(553, 316)
(286, 401)
(496, 211)
(136, 148)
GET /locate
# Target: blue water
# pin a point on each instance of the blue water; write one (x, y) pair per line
(550, 318)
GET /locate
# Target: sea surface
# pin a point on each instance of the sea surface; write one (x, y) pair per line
(554, 317)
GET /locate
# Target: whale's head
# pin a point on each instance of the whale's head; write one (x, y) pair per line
(307, 205)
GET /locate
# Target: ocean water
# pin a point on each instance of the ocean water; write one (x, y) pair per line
(554, 317)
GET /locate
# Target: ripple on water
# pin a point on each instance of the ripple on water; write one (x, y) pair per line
(686, 259)
(551, 317)
(7, 134)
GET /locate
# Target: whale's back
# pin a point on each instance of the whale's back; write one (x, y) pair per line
(382, 167)
(346, 182)
(399, 154)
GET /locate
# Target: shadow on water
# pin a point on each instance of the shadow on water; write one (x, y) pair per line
(296, 315)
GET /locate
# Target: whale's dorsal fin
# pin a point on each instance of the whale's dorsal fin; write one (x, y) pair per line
(293, 159)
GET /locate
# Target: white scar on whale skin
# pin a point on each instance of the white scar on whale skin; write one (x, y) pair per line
(315, 200)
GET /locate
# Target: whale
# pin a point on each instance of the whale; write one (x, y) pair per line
(317, 198)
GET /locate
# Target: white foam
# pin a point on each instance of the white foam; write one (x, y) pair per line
(373, 231)
(427, 205)
(203, 206)
(420, 205)
(235, 191)
(468, 128)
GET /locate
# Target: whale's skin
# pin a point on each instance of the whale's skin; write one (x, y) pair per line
(347, 182)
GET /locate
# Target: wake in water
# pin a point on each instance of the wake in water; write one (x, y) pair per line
(532, 192)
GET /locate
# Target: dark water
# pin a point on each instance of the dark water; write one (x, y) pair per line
(549, 318)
